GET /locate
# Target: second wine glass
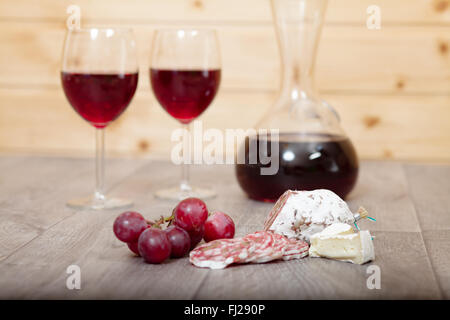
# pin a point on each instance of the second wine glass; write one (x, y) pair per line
(185, 76)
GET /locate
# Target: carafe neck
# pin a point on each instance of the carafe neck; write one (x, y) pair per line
(298, 25)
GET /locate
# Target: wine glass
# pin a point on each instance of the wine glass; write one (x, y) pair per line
(99, 77)
(185, 76)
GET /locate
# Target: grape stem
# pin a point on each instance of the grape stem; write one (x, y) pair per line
(160, 221)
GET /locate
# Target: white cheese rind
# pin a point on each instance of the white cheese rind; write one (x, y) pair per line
(336, 229)
(337, 242)
(368, 249)
(308, 212)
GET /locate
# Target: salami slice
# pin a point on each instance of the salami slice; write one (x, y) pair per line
(258, 247)
(219, 254)
(294, 256)
(295, 246)
(263, 247)
(296, 249)
(279, 246)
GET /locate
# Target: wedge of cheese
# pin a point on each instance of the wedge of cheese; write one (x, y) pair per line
(339, 241)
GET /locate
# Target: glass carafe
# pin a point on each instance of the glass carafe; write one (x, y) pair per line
(313, 150)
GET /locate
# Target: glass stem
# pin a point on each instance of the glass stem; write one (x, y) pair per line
(99, 164)
(184, 184)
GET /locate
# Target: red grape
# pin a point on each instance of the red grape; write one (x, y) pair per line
(190, 214)
(154, 246)
(133, 246)
(128, 226)
(196, 236)
(219, 226)
(180, 241)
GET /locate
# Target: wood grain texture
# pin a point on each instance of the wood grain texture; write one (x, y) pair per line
(230, 11)
(314, 278)
(391, 86)
(33, 194)
(430, 190)
(438, 247)
(37, 269)
(382, 189)
(350, 58)
(380, 126)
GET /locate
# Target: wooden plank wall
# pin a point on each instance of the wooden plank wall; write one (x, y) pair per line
(390, 86)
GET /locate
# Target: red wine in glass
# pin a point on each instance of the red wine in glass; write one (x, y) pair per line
(185, 94)
(185, 72)
(99, 75)
(99, 98)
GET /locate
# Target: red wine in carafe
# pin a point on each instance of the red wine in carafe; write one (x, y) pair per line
(185, 94)
(306, 162)
(99, 98)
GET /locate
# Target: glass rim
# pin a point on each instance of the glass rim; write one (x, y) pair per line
(100, 29)
(186, 29)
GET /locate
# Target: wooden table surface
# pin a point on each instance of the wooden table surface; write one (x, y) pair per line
(40, 237)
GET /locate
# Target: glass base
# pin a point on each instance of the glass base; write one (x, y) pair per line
(99, 204)
(177, 193)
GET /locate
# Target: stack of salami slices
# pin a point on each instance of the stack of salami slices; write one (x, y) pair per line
(258, 247)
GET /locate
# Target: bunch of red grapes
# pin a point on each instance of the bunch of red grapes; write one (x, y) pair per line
(188, 225)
